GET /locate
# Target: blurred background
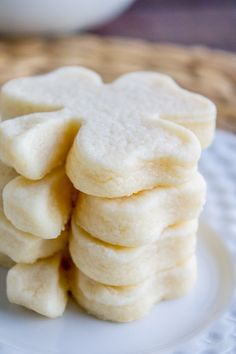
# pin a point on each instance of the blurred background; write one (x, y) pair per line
(207, 22)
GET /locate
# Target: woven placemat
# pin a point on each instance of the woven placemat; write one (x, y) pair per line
(210, 72)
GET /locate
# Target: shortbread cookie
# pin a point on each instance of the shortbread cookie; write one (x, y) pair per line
(42, 207)
(41, 286)
(35, 144)
(140, 218)
(115, 265)
(18, 245)
(124, 304)
(5, 261)
(130, 136)
(23, 247)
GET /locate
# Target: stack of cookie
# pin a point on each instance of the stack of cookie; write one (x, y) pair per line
(131, 252)
(130, 149)
(32, 219)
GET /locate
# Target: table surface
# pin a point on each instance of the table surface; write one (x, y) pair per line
(207, 22)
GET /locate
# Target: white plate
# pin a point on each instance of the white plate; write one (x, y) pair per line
(202, 322)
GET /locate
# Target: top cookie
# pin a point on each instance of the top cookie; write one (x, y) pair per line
(126, 136)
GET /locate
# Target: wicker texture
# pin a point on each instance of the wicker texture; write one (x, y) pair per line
(210, 72)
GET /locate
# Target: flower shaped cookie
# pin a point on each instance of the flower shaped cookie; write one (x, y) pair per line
(117, 139)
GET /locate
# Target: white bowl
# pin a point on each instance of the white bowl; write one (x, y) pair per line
(56, 16)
